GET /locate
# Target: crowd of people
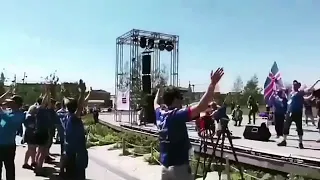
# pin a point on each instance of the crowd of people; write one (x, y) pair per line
(41, 121)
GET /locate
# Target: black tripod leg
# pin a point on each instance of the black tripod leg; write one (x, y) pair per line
(221, 154)
(234, 154)
(198, 160)
(205, 155)
(214, 145)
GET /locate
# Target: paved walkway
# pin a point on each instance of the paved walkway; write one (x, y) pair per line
(103, 164)
(94, 170)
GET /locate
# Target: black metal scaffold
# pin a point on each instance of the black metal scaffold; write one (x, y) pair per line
(130, 48)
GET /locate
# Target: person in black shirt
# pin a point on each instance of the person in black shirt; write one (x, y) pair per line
(253, 109)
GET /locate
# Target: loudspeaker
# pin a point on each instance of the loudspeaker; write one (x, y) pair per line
(146, 64)
(257, 133)
(149, 113)
(146, 84)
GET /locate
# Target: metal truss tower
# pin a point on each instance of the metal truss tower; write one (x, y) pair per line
(128, 62)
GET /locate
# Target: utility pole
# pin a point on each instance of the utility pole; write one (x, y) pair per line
(24, 77)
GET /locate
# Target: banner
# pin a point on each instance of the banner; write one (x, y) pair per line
(123, 100)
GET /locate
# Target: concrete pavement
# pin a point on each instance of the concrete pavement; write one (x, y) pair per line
(94, 171)
(103, 164)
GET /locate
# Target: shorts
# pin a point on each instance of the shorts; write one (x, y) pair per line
(42, 138)
(30, 137)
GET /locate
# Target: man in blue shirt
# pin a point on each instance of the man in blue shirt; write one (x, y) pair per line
(173, 134)
(295, 112)
(10, 121)
(280, 109)
(76, 154)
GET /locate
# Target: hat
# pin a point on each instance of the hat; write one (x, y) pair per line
(16, 99)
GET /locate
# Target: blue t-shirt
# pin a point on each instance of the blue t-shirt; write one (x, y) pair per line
(295, 103)
(75, 141)
(173, 136)
(280, 105)
(61, 115)
(10, 122)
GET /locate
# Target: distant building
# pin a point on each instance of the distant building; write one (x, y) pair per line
(100, 98)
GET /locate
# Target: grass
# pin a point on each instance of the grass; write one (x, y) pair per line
(99, 135)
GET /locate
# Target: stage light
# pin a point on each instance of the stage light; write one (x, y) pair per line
(169, 46)
(150, 43)
(143, 42)
(162, 45)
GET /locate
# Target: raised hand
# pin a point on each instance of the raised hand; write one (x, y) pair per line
(216, 76)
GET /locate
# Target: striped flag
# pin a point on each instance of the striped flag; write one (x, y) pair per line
(272, 83)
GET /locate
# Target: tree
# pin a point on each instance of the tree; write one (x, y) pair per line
(237, 85)
(237, 90)
(29, 92)
(252, 89)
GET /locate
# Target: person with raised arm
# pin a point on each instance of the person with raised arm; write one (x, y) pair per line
(295, 112)
(173, 134)
(42, 135)
(10, 122)
(76, 155)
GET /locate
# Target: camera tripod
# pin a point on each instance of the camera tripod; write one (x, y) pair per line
(224, 132)
(205, 136)
(222, 135)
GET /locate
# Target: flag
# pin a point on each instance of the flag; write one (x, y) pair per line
(273, 82)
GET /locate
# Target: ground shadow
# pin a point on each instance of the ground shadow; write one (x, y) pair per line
(55, 163)
(49, 172)
(54, 154)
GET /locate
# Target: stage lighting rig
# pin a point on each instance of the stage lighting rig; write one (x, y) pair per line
(130, 48)
(162, 45)
(169, 46)
(150, 43)
(143, 42)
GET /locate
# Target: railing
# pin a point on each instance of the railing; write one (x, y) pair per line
(153, 150)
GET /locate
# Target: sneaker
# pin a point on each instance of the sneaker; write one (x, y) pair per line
(26, 166)
(301, 146)
(282, 143)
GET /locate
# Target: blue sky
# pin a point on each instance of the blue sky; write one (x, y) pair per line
(77, 37)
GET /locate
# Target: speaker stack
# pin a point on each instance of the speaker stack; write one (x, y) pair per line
(146, 73)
